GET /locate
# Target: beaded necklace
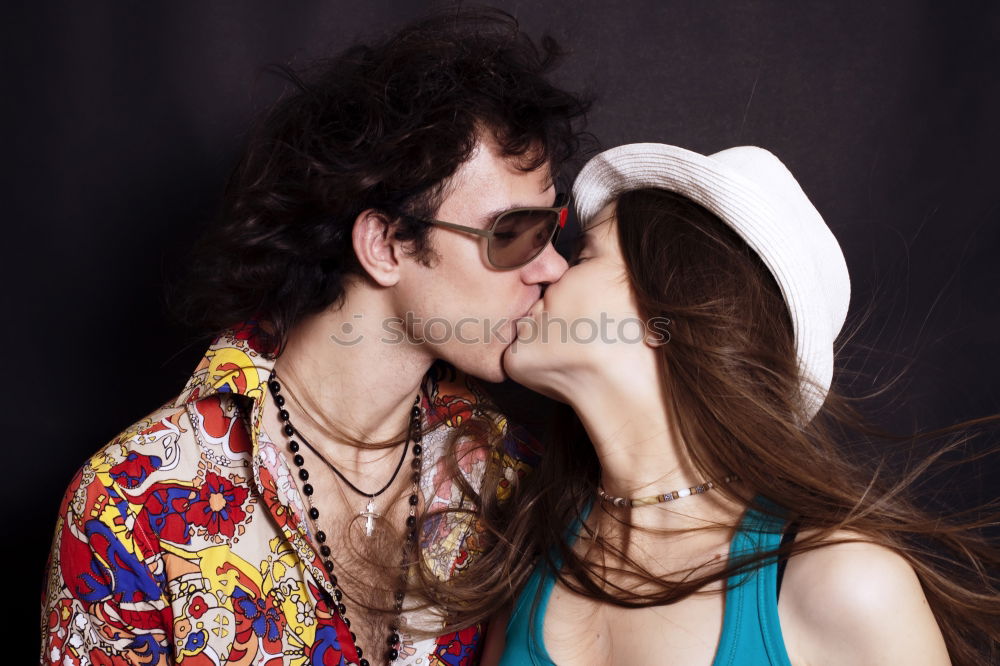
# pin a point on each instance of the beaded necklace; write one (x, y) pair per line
(414, 435)
(665, 497)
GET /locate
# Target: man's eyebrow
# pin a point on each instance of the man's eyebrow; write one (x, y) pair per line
(490, 217)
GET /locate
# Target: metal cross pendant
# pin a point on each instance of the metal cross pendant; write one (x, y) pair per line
(370, 516)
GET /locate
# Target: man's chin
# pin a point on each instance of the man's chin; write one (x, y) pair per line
(492, 375)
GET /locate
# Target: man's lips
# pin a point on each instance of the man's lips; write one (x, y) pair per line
(531, 311)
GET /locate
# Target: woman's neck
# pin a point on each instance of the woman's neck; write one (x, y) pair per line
(642, 453)
(637, 443)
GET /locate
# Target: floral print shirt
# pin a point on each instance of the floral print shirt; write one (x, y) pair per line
(185, 540)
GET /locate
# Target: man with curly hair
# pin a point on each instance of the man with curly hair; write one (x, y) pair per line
(316, 490)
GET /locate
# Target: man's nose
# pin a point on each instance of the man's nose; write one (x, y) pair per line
(549, 266)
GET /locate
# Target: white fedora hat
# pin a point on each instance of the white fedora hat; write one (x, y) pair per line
(754, 193)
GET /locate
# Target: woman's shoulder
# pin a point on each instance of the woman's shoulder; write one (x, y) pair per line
(855, 600)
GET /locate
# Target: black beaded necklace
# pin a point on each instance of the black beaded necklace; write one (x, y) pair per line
(415, 435)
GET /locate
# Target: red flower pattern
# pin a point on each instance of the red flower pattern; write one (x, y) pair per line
(197, 607)
(453, 410)
(219, 506)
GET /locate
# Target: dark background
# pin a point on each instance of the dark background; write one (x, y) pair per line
(123, 120)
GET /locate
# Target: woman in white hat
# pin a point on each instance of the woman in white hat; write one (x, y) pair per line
(706, 513)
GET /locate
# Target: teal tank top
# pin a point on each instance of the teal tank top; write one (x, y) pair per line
(751, 634)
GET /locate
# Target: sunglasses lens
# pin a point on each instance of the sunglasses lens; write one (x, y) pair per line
(520, 236)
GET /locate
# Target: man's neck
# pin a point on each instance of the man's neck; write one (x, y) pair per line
(345, 373)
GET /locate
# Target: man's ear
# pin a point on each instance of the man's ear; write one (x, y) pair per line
(376, 249)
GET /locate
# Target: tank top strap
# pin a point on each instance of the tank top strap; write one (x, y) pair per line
(751, 632)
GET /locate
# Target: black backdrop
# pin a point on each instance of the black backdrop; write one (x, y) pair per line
(123, 119)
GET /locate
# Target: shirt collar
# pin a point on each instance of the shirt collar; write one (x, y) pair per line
(237, 362)
(240, 361)
(241, 358)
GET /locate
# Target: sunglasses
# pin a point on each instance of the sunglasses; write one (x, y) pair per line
(517, 235)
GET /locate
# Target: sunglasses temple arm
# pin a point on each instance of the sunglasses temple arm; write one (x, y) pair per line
(485, 233)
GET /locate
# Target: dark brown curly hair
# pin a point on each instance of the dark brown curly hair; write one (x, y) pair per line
(381, 126)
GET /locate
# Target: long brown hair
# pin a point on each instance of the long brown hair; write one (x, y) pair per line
(734, 389)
